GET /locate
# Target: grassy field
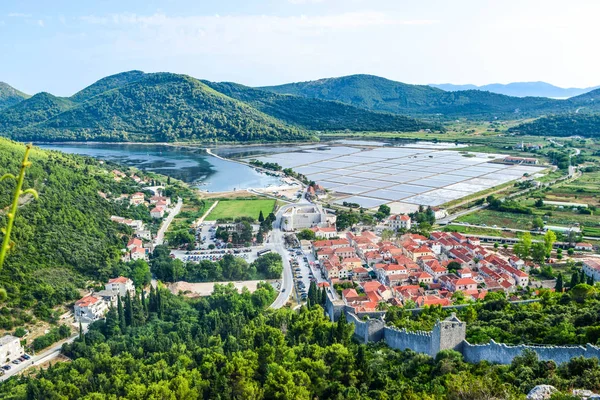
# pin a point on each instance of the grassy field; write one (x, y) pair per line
(241, 208)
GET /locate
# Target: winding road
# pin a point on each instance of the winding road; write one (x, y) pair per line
(277, 243)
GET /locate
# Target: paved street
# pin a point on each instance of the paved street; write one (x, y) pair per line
(160, 236)
(38, 359)
(277, 243)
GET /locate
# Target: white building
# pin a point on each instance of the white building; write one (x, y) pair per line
(10, 348)
(400, 222)
(327, 232)
(591, 267)
(90, 308)
(121, 286)
(157, 212)
(136, 199)
(303, 217)
(137, 253)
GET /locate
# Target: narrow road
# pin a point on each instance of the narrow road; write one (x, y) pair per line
(201, 219)
(39, 359)
(160, 236)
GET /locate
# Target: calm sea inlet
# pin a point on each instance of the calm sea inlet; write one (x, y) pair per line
(189, 165)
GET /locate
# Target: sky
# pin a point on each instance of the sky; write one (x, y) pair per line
(61, 46)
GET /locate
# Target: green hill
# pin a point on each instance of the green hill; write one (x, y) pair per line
(107, 83)
(34, 110)
(156, 107)
(380, 94)
(318, 114)
(63, 237)
(584, 125)
(10, 96)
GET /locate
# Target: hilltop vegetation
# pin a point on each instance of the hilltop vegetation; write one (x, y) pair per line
(64, 237)
(561, 125)
(160, 107)
(10, 96)
(36, 109)
(315, 114)
(106, 84)
(164, 107)
(380, 94)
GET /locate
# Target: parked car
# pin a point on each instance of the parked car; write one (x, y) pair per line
(6, 367)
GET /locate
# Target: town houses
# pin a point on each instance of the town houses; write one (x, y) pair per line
(416, 270)
(94, 306)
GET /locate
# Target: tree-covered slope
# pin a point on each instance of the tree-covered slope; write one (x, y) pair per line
(380, 94)
(32, 111)
(10, 96)
(64, 236)
(586, 125)
(107, 83)
(161, 107)
(318, 114)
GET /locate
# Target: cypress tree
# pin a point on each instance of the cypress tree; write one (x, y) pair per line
(559, 283)
(590, 280)
(121, 314)
(574, 280)
(144, 303)
(128, 310)
(582, 277)
(261, 217)
(159, 305)
(152, 300)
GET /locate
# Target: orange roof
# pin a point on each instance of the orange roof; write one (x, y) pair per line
(323, 284)
(352, 260)
(87, 301)
(465, 281)
(120, 279)
(370, 286)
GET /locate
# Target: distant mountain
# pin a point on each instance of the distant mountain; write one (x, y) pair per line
(155, 107)
(32, 111)
(315, 114)
(584, 125)
(520, 89)
(108, 83)
(380, 94)
(10, 96)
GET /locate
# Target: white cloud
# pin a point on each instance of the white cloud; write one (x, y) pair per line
(40, 22)
(18, 15)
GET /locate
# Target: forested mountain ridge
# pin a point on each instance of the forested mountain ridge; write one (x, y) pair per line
(63, 238)
(32, 111)
(315, 114)
(107, 83)
(380, 94)
(584, 125)
(157, 107)
(10, 96)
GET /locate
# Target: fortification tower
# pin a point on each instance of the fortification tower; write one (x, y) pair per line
(448, 334)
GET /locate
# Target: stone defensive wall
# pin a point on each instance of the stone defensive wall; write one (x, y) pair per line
(449, 334)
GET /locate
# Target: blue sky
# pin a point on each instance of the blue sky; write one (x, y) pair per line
(62, 46)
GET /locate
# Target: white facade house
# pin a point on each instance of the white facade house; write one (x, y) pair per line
(121, 286)
(90, 308)
(10, 348)
(591, 267)
(157, 212)
(137, 253)
(400, 222)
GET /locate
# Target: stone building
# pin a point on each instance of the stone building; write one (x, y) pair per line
(10, 348)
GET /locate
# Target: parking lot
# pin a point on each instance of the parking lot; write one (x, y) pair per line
(304, 272)
(13, 363)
